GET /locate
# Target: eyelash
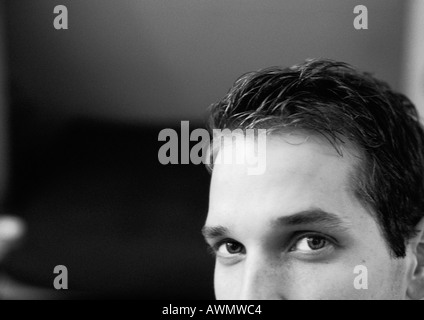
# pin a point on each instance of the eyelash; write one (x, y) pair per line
(310, 234)
(213, 249)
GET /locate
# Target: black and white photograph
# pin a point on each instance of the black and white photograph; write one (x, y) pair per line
(211, 150)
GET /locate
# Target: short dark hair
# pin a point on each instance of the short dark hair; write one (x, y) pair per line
(333, 99)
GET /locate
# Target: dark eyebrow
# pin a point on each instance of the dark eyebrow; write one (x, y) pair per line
(214, 232)
(314, 216)
(307, 217)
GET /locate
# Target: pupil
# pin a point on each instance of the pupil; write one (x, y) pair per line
(316, 243)
(233, 247)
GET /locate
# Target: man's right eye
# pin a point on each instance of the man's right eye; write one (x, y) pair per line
(229, 248)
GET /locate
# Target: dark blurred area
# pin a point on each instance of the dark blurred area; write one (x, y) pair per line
(90, 188)
(81, 110)
(97, 201)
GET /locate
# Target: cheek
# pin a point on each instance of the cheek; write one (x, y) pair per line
(322, 282)
(338, 281)
(226, 282)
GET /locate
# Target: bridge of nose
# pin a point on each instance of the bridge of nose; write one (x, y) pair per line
(262, 278)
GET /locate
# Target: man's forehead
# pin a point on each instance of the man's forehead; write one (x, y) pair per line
(297, 155)
(310, 174)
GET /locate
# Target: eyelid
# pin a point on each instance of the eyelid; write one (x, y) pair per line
(299, 235)
(213, 244)
(214, 248)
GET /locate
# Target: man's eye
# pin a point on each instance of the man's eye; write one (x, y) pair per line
(311, 243)
(227, 248)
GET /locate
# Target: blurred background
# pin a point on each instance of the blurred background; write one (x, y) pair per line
(81, 109)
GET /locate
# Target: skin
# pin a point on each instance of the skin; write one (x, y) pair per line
(297, 231)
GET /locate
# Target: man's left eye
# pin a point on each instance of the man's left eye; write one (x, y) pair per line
(311, 243)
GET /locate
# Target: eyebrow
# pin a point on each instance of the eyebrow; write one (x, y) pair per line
(214, 232)
(312, 217)
(316, 217)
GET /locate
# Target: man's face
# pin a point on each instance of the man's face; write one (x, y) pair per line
(297, 231)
